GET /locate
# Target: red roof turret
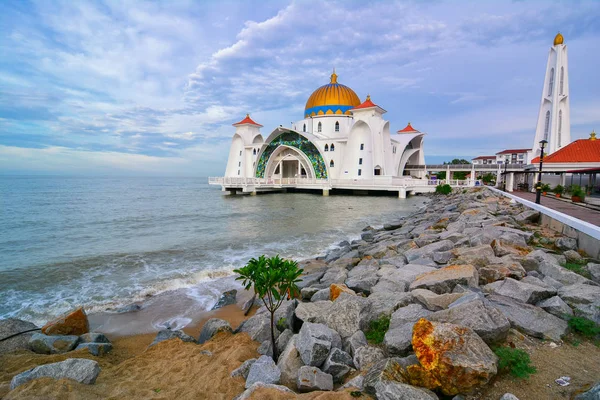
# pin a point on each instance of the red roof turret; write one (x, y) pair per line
(247, 121)
(408, 129)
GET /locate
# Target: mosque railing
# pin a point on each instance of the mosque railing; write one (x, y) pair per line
(384, 181)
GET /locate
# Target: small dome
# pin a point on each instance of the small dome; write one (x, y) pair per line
(333, 98)
(558, 39)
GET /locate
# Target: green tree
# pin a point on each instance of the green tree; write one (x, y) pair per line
(489, 177)
(457, 161)
(273, 280)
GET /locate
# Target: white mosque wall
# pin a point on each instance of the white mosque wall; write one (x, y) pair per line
(236, 159)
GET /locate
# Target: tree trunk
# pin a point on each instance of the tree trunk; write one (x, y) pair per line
(275, 355)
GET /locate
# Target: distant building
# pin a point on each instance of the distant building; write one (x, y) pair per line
(513, 156)
(482, 160)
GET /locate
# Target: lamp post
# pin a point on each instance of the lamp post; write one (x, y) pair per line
(538, 188)
(505, 166)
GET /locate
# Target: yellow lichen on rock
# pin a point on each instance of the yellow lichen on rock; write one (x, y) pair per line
(338, 288)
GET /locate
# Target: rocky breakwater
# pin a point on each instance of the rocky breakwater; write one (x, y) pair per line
(452, 279)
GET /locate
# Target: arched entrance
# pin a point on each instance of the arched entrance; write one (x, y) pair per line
(289, 162)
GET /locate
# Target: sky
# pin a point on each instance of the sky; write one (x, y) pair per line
(152, 88)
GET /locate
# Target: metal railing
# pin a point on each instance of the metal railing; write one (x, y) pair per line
(465, 167)
(384, 181)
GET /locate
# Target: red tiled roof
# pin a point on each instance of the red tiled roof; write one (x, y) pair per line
(484, 158)
(582, 150)
(514, 151)
(247, 121)
(366, 104)
(408, 129)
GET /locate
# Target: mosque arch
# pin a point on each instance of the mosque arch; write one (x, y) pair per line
(551, 82)
(332, 147)
(289, 162)
(547, 125)
(258, 139)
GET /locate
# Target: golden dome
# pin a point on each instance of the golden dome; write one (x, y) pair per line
(330, 99)
(558, 39)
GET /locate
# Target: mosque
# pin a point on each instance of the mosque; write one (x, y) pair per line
(340, 141)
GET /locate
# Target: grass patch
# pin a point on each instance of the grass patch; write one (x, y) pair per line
(584, 327)
(514, 361)
(377, 330)
(443, 189)
(578, 269)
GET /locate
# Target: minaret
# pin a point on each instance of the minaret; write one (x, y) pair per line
(554, 120)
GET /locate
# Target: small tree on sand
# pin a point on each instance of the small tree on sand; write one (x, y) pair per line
(274, 279)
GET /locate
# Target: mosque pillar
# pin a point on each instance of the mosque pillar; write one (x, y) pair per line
(253, 193)
(325, 192)
(563, 179)
(402, 193)
(510, 181)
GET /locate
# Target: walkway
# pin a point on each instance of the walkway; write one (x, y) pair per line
(573, 210)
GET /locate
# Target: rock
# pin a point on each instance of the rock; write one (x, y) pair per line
(509, 396)
(593, 269)
(557, 307)
(312, 378)
(442, 245)
(445, 279)
(248, 393)
(313, 343)
(385, 303)
(408, 273)
(530, 319)
(93, 337)
(284, 315)
(258, 327)
(489, 323)
(453, 359)
(584, 299)
(244, 369)
(527, 216)
(354, 342)
(11, 326)
(348, 314)
(265, 348)
(211, 328)
(566, 243)
(283, 340)
(334, 275)
(128, 308)
(289, 363)
(442, 257)
(467, 297)
(389, 286)
(226, 299)
(308, 292)
(519, 290)
(362, 278)
(435, 302)
(167, 334)
(561, 274)
(501, 248)
(313, 312)
(384, 371)
(336, 289)
(73, 323)
(356, 382)
(310, 279)
(97, 349)
(263, 370)
(573, 256)
(367, 236)
(592, 394)
(495, 272)
(320, 295)
(478, 255)
(338, 363)
(392, 390)
(78, 369)
(398, 339)
(366, 356)
(44, 344)
(393, 225)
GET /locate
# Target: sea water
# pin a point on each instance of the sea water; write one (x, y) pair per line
(106, 242)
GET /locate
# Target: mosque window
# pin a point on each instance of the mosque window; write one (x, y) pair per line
(331, 163)
(304, 128)
(326, 147)
(240, 152)
(551, 82)
(360, 161)
(359, 172)
(362, 146)
(547, 125)
(562, 80)
(559, 127)
(238, 171)
(319, 127)
(332, 147)
(254, 152)
(337, 126)
(240, 164)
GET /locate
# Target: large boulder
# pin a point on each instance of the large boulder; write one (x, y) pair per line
(530, 319)
(386, 379)
(336, 289)
(310, 279)
(566, 243)
(398, 339)
(347, 315)
(44, 344)
(489, 323)
(289, 363)
(312, 378)
(13, 326)
(594, 270)
(354, 342)
(445, 279)
(93, 337)
(584, 299)
(313, 312)
(313, 343)
(362, 277)
(433, 301)
(96, 349)
(263, 370)
(244, 369)
(408, 273)
(518, 290)
(72, 323)
(78, 369)
(212, 327)
(442, 245)
(167, 334)
(283, 340)
(226, 299)
(495, 272)
(258, 327)
(557, 307)
(334, 275)
(391, 390)
(338, 363)
(385, 303)
(366, 356)
(478, 255)
(453, 358)
(549, 266)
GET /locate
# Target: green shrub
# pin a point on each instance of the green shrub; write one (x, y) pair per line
(559, 189)
(377, 329)
(545, 187)
(443, 189)
(584, 327)
(514, 361)
(578, 269)
(577, 191)
(281, 324)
